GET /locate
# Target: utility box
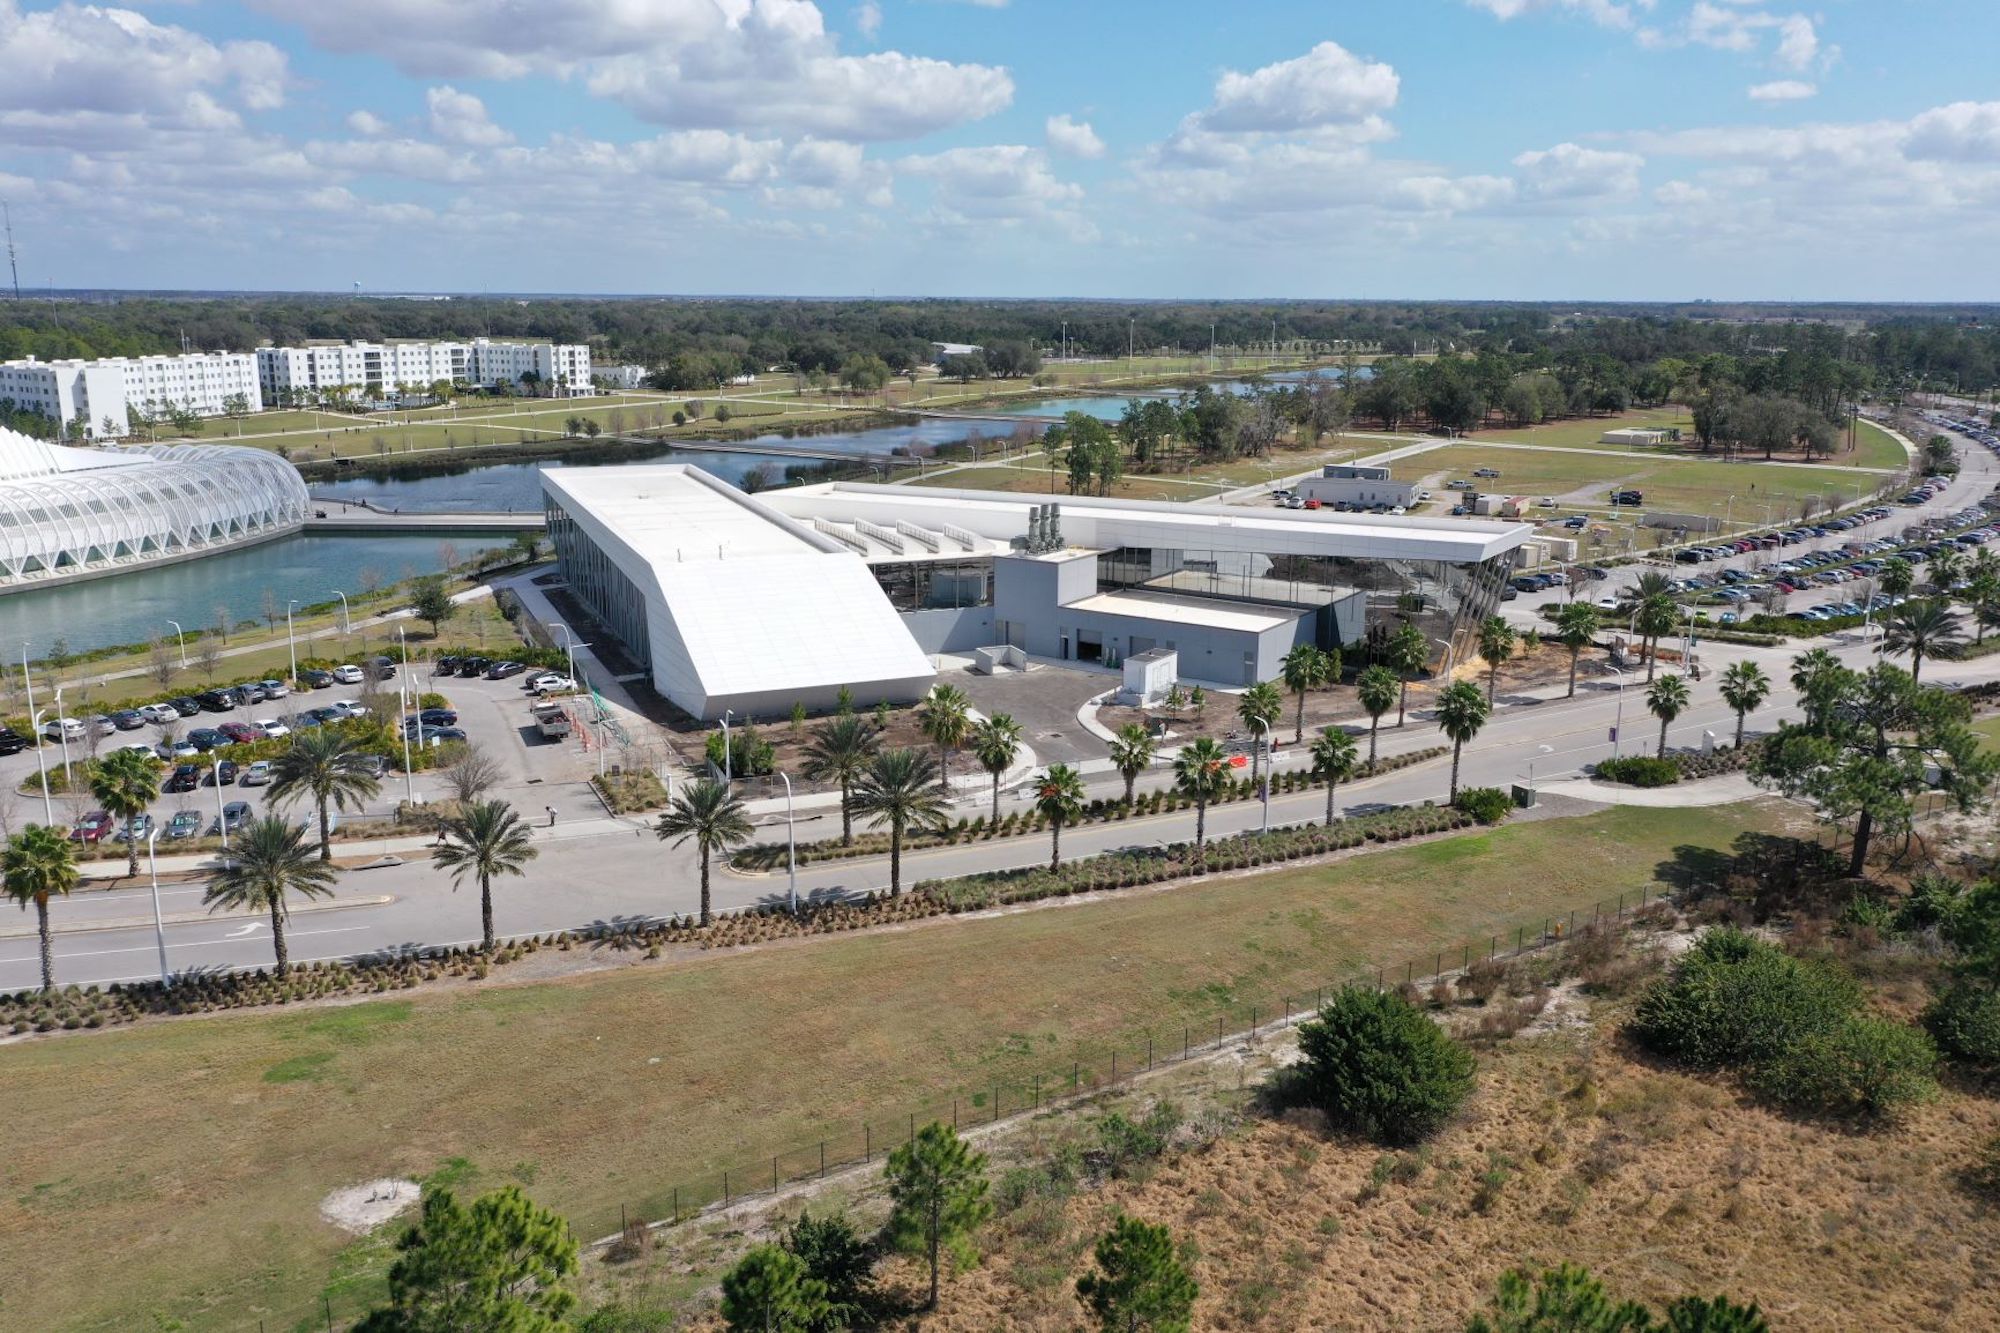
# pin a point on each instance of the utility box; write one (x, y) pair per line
(1149, 676)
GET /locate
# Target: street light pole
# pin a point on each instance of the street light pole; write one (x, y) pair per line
(346, 615)
(1618, 725)
(291, 642)
(35, 720)
(221, 815)
(63, 732)
(791, 845)
(403, 697)
(1264, 739)
(181, 635)
(159, 925)
(728, 774)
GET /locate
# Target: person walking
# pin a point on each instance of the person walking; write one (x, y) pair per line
(552, 815)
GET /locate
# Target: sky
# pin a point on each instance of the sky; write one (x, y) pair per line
(1442, 149)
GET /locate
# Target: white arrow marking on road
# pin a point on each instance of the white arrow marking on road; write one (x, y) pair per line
(248, 929)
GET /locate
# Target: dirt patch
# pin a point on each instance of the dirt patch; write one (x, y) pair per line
(361, 1208)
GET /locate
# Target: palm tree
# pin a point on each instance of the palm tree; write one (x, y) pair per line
(1059, 797)
(1201, 773)
(1896, 577)
(1577, 625)
(1744, 689)
(1657, 616)
(1409, 652)
(39, 861)
(705, 811)
(1461, 711)
(268, 861)
(484, 839)
(996, 743)
(1982, 591)
(323, 764)
(840, 751)
(1496, 645)
(1667, 699)
(126, 784)
(1944, 571)
(946, 717)
(1333, 758)
(1819, 679)
(1305, 668)
(1378, 689)
(1260, 704)
(1923, 628)
(1132, 754)
(896, 790)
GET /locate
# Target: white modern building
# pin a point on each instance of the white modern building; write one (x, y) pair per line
(93, 397)
(754, 603)
(322, 369)
(68, 513)
(621, 377)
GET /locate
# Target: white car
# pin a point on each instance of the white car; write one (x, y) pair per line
(256, 775)
(553, 685)
(136, 748)
(274, 689)
(349, 708)
(347, 674)
(159, 713)
(62, 728)
(272, 727)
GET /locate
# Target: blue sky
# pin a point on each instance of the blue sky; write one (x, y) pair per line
(1516, 149)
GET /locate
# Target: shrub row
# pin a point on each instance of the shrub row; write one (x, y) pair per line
(1152, 865)
(1639, 770)
(979, 828)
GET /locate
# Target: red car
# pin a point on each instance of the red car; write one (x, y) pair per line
(96, 827)
(241, 732)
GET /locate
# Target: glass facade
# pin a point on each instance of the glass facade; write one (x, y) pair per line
(936, 585)
(599, 584)
(1361, 602)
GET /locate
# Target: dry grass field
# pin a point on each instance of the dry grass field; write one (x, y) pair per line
(173, 1171)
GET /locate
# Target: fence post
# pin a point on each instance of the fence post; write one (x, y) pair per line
(725, 1189)
(1184, 1041)
(1493, 950)
(623, 1224)
(1466, 962)
(1253, 1020)
(954, 1115)
(1621, 907)
(1149, 1051)
(1438, 973)
(822, 1157)
(1038, 1092)
(867, 1145)
(1409, 972)
(1520, 934)
(996, 1101)
(774, 1175)
(328, 1304)
(913, 1126)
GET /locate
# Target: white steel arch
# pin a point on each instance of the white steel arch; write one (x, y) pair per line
(66, 511)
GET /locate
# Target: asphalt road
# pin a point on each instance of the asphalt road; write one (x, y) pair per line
(602, 871)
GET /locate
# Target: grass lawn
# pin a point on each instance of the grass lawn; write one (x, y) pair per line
(173, 1171)
(1874, 447)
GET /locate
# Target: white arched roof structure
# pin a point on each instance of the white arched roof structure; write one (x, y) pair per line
(66, 511)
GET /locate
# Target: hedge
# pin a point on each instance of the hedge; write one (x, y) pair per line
(1639, 770)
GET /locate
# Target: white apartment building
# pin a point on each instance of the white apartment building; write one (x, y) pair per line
(327, 368)
(621, 377)
(94, 396)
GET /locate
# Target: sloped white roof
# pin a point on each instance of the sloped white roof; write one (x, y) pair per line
(24, 456)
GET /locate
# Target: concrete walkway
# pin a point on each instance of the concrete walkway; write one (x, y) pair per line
(1724, 790)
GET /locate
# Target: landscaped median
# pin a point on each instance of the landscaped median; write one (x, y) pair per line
(772, 855)
(1644, 770)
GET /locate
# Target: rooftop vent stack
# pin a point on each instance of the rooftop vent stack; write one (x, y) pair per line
(1055, 528)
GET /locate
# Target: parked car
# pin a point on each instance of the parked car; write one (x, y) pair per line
(374, 765)
(160, 713)
(439, 717)
(348, 674)
(217, 701)
(62, 728)
(99, 724)
(12, 741)
(240, 733)
(474, 666)
(234, 816)
(1486, 472)
(128, 719)
(137, 830)
(442, 734)
(316, 679)
(94, 827)
(139, 747)
(502, 670)
(275, 689)
(552, 684)
(184, 824)
(185, 777)
(1628, 498)
(272, 727)
(445, 666)
(382, 668)
(256, 775)
(185, 705)
(221, 774)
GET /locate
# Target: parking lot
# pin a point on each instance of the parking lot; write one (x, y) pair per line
(535, 773)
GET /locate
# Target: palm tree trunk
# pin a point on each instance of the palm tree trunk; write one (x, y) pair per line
(996, 796)
(1055, 844)
(278, 937)
(1131, 782)
(846, 815)
(1402, 697)
(325, 833)
(1492, 679)
(1299, 720)
(1663, 739)
(1739, 728)
(1576, 653)
(1916, 668)
(896, 858)
(1374, 729)
(1200, 833)
(131, 848)
(705, 914)
(1456, 747)
(48, 943)
(1330, 785)
(486, 914)
(944, 769)
(1652, 657)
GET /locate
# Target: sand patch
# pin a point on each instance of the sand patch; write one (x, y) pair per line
(361, 1208)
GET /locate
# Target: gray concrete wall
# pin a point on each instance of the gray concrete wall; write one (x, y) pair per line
(955, 630)
(1367, 491)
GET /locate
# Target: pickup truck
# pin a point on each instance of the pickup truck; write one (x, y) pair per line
(553, 720)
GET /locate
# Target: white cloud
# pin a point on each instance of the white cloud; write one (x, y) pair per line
(367, 123)
(998, 183)
(868, 19)
(1072, 138)
(1680, 194)
(1962, 132)
(1602, 12)
(1327, 85)
(1571, 172)
(461, 118)
(1783, 90)
(91, 64)
(755, 65)
(1798, 42)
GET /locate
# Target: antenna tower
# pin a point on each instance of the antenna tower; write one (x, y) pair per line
(13, 265)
